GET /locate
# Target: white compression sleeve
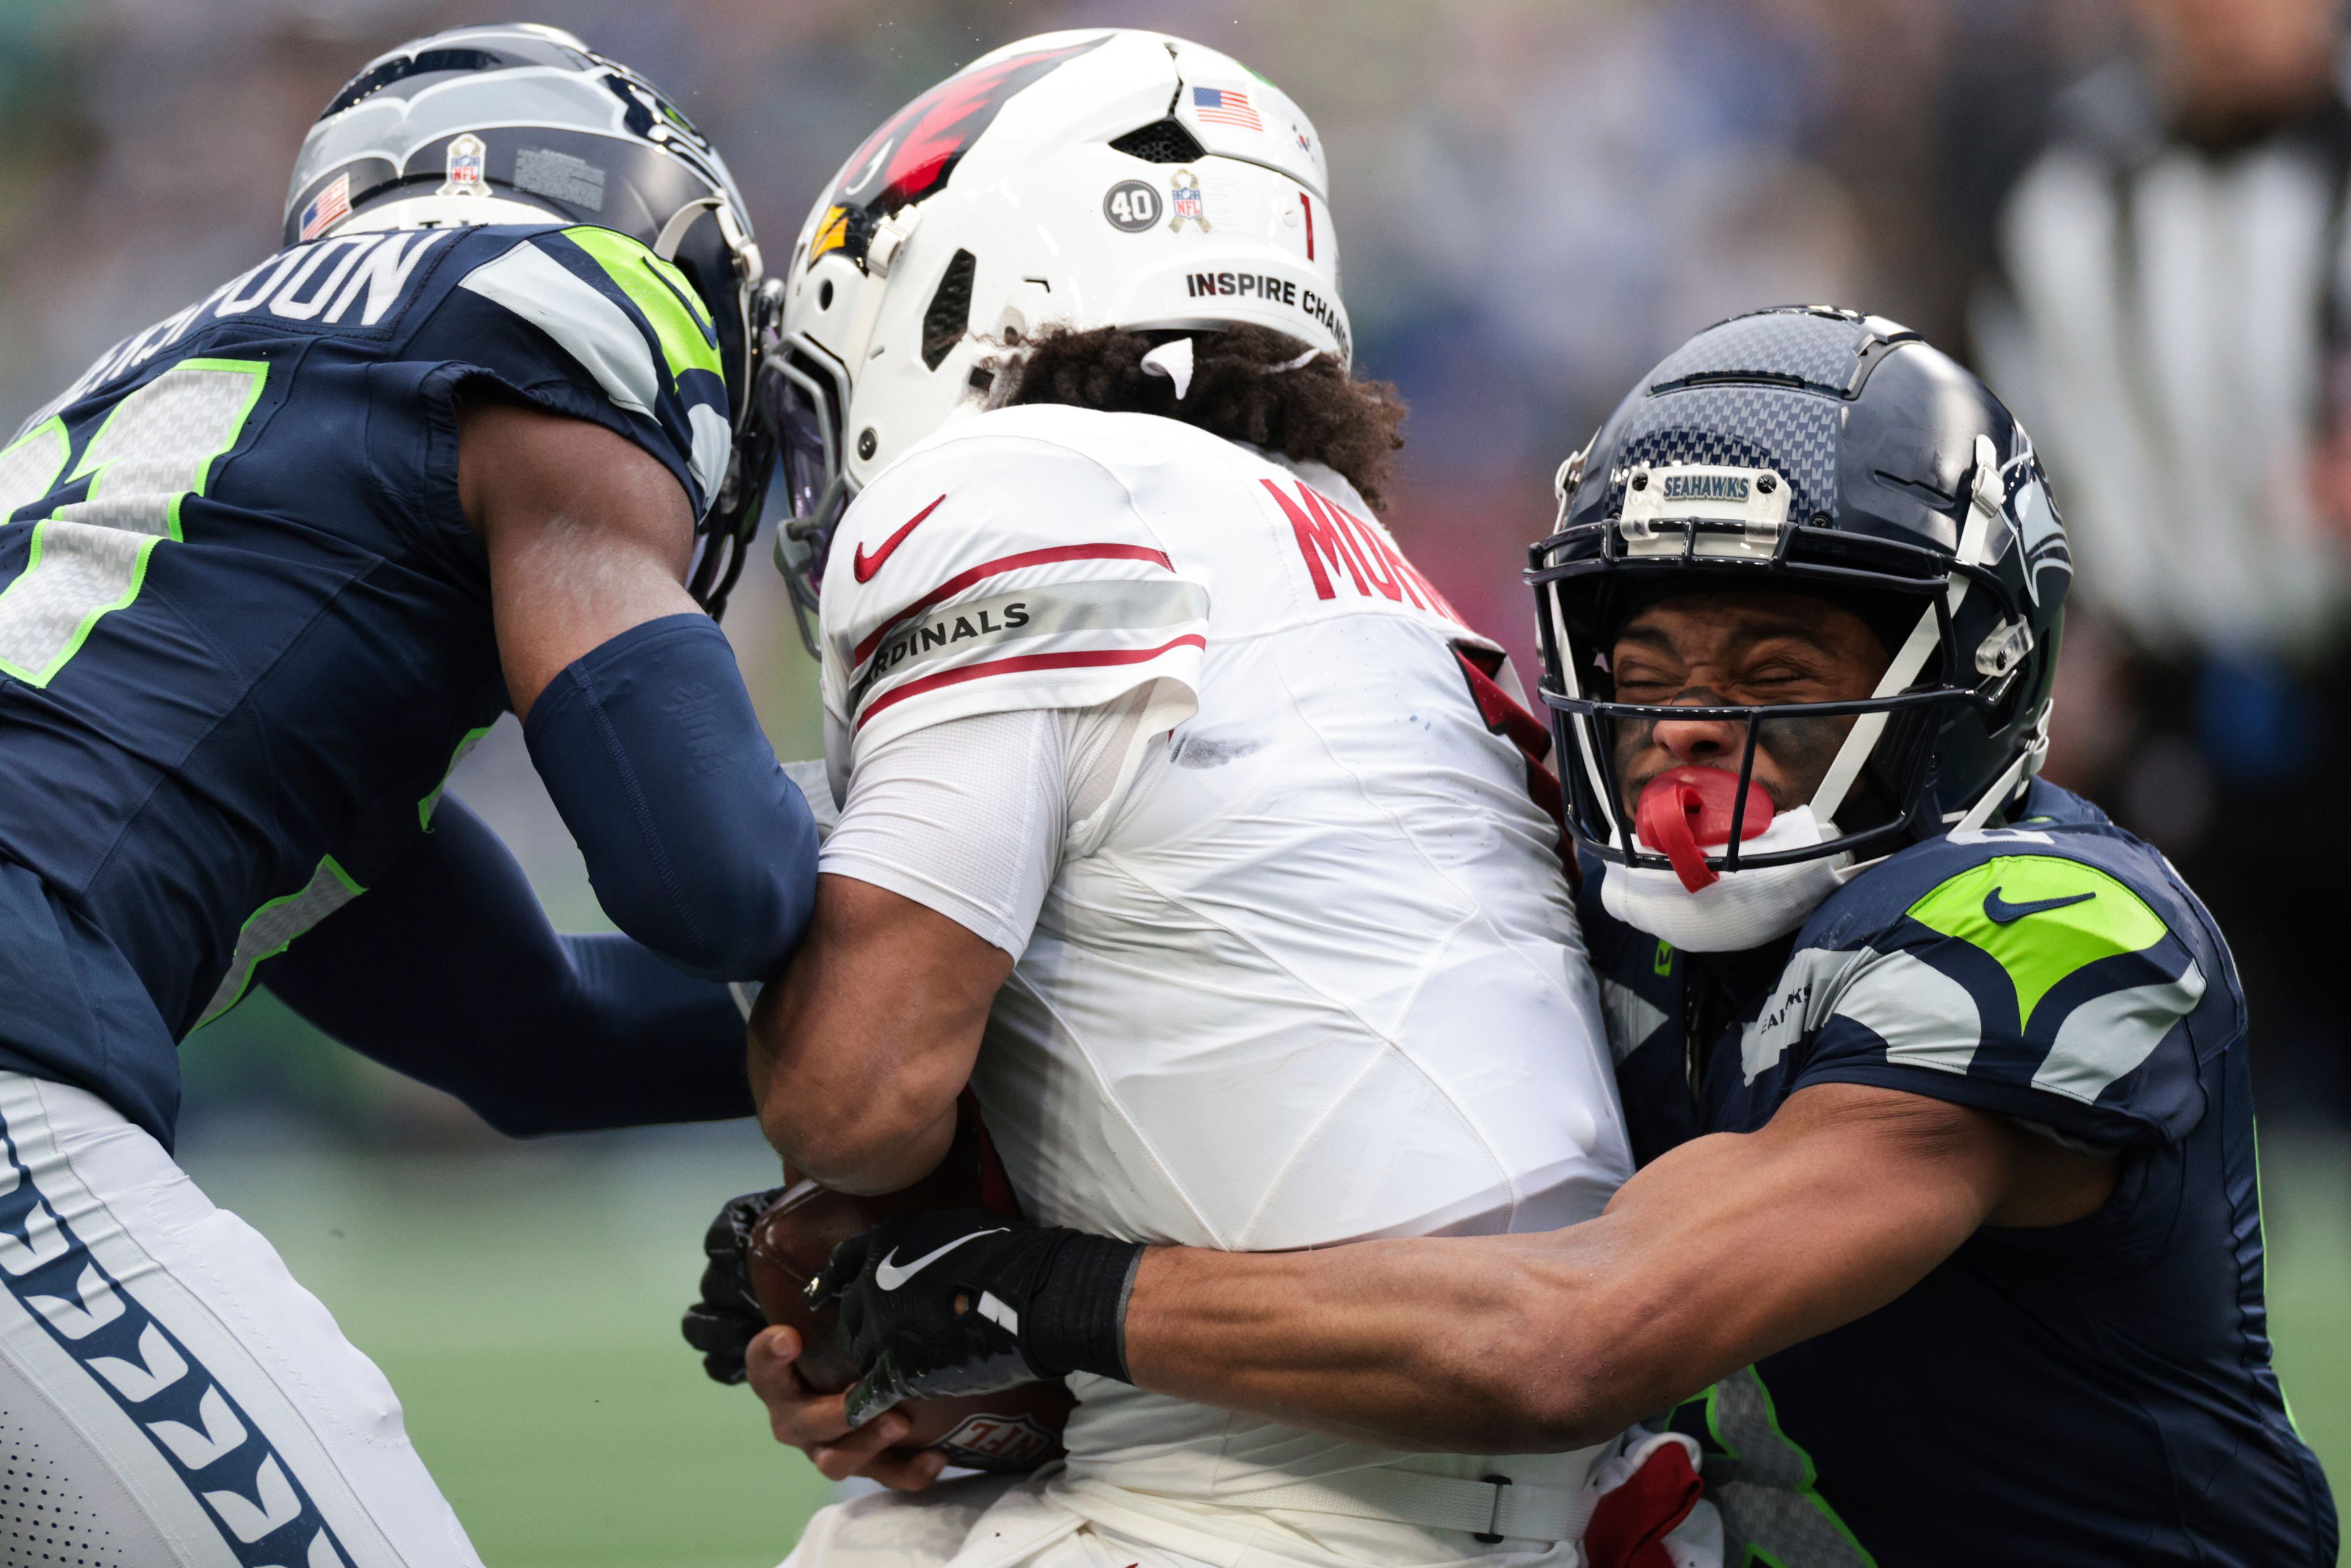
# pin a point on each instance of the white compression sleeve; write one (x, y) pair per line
(971, 817)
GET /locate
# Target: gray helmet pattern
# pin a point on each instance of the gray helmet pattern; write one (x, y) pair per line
(531, 114)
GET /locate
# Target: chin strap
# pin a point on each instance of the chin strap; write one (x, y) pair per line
(2028, 763)
(1862, 738)
(673, 233)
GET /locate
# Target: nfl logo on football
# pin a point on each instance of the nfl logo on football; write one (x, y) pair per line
(997, 1443)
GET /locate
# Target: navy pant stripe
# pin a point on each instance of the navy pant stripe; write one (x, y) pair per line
(265, 1515)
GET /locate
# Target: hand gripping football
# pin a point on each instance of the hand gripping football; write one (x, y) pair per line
(1014, 1429)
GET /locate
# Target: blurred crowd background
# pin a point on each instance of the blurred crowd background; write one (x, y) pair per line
(2129, 215)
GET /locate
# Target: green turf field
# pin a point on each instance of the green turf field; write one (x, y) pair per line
(525, 1305)
(2306, 1189)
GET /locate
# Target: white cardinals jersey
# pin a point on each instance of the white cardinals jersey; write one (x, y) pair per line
(1312, 973)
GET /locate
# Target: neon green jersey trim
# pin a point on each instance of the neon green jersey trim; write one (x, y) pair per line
(2041, 919)
(256, 372)
(2262, 1235)
(329, 888)
(659, 289)
(424, 807)
(1807, 1488)
(38, 480)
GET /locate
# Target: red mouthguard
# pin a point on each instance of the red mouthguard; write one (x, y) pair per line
(1685, 809)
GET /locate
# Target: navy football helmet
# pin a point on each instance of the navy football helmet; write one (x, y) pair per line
(517, 122)
(1823, 451)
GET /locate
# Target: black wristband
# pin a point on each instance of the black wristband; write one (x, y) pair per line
(1075, 1319)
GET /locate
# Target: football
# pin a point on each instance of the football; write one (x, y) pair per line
(1015, 1429)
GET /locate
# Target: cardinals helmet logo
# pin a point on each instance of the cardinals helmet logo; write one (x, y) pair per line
(916, 150)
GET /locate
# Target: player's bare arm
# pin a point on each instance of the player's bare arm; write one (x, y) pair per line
(1729, 1249)
(859, 1051)
(589, 540)
(587, 535)
(1726, 1250)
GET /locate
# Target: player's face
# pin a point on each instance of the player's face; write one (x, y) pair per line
(1740, 649)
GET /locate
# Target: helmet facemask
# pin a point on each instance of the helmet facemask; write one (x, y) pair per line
(798, 400)
(1741, 869)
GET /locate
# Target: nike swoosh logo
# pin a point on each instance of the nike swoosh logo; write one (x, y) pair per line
(2001, 912)
(866, 565)
(888, 1272)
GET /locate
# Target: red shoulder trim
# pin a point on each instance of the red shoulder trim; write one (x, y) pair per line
(1000, 565)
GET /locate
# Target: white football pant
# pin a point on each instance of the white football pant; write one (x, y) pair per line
(1044, 1521)
(1001, 1521)
(169, 1396)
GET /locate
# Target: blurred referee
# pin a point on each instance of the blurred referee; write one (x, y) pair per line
(2171, 317)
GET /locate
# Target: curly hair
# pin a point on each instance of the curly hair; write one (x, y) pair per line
(1241, 390)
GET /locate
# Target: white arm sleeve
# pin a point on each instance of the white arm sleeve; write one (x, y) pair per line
(972, 816)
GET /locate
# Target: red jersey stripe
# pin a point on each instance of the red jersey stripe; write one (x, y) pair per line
(1020, 661)
(988, 569)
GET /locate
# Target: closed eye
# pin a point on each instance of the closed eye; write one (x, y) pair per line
(1637, 674)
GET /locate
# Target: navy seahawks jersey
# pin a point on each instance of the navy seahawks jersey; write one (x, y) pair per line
(2097, 1393)
(244, 630)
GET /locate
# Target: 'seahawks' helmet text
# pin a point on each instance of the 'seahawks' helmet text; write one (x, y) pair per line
(1089, 179)
(520, 123)
(1822, 452)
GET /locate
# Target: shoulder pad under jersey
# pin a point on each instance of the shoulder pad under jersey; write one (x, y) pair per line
(590, 322)
(2055, 971)
(991, 571)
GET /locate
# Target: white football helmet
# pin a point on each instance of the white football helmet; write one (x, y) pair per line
(1094, 178)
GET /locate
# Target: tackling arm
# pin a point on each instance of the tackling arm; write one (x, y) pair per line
(1720, 1253)
(1725, 1250)
(587, 535)
(635, 714)
(449, 972)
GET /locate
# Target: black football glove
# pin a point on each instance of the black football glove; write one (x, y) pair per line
(968, 1300)
(723, 1324)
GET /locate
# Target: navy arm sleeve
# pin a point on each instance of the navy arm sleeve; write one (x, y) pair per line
(448, 971)
(698, 843)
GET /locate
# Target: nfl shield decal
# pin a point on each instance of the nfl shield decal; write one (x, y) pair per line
(465, 167)
(1184, 197)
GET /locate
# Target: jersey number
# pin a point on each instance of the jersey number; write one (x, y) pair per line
(89, 557)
